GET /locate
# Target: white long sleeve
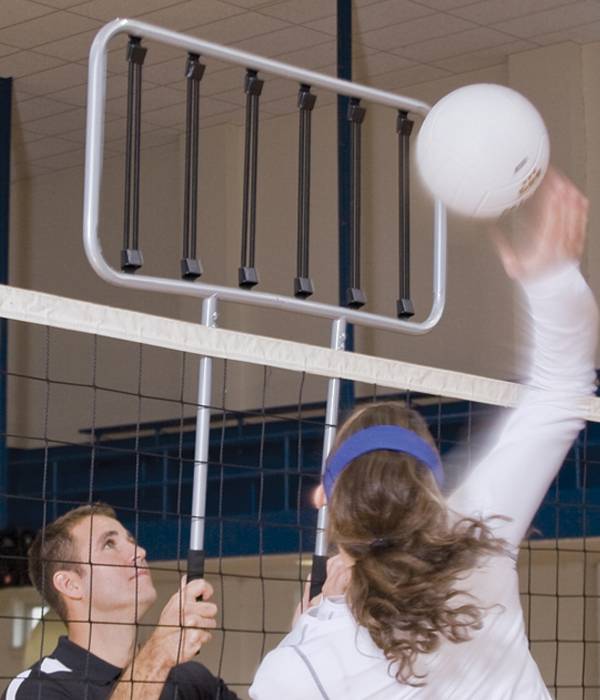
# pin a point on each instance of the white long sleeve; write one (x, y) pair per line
(284, 674)
(512, 479)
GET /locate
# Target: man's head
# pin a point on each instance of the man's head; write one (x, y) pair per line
(87, 566)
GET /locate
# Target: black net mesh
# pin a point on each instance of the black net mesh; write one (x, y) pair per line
(92, 419)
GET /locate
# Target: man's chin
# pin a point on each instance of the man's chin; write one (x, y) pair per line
(146, 601)
(127, 613)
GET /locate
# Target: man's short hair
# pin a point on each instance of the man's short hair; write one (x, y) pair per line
(52, 550)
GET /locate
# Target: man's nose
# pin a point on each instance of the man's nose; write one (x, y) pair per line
(138, 554)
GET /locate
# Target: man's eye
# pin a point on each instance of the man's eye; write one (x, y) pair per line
(109, 544)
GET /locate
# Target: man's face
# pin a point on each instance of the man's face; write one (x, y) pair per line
(118, 585)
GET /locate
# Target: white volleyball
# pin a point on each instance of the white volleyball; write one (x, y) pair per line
(482, 149)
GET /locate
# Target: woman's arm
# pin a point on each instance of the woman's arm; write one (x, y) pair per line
(514, 476)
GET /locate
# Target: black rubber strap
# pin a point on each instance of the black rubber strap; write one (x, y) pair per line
(318, 574)
(195, 564)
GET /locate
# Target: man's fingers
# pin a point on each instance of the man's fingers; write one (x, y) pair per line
(198, 621)
(206, 609)
(198, 588)
(194, 639)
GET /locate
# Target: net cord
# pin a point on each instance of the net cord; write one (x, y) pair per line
(69, 314)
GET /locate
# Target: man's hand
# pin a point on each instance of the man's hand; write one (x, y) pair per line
(183, 625)
(181, 631)
(554, 230)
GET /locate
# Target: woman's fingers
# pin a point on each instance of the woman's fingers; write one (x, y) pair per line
(505, 251)
(554, 234)
(338, 577)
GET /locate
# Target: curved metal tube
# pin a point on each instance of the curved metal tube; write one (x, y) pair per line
(93, 181)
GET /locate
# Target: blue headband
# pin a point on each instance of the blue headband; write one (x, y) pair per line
(381, 437)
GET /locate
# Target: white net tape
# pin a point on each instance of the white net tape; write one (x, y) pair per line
(70, 314)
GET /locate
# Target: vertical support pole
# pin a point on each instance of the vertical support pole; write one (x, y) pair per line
(404, 126)
(344, 71)
(199, 490)
(319, 564)
(5, 141)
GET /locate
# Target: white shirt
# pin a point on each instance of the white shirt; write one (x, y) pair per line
(328, 656)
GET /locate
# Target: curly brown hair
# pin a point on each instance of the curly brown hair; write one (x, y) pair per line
(409, 553)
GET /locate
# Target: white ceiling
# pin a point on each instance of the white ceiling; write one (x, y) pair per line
(397, 43)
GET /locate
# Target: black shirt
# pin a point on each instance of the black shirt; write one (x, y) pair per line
(71, 672)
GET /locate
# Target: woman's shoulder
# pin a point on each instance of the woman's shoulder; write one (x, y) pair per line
(330, 615)
(331, 608)
(325, 654)
(292, 669)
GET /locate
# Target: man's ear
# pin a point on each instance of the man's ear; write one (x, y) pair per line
(69, 584)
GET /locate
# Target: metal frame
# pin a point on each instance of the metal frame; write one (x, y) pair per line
(93, 181)
(340, 316)
(319, 564)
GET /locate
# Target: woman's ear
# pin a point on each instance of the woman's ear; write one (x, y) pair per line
(319, 498)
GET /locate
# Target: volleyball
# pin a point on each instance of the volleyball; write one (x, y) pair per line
(482, 150)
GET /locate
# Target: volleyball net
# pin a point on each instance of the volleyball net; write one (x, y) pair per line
(103, 407)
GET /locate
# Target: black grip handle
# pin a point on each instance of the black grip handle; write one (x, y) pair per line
(195, 564)
(318, 574)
